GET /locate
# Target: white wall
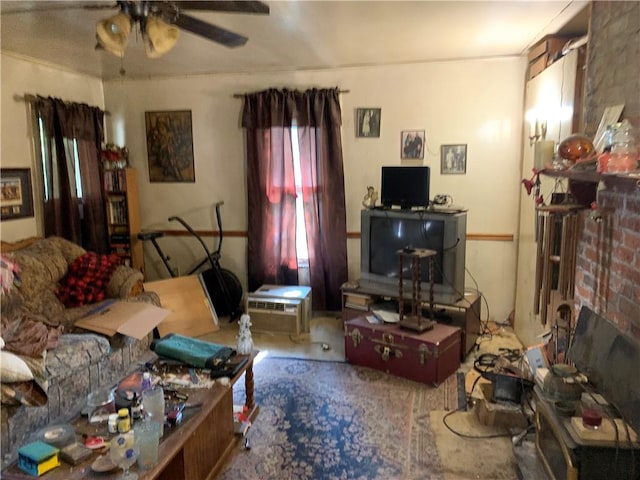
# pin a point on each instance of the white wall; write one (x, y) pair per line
(20, 77)
(478, 103)
(474, 102)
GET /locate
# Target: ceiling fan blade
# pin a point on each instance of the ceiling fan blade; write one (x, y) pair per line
(209, 31)
(242, 6)
(16, 7)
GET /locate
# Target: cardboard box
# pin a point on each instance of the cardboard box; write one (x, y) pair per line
(498, 414)
(549, 45)
(538, 65)
(191, 311)
(135, 319)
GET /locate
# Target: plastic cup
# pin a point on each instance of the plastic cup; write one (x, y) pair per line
(148, 440)
(153, 404)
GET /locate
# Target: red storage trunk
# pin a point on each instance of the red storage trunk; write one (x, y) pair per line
(428, 357)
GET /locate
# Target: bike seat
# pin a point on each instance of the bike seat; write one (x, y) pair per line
(150, 235)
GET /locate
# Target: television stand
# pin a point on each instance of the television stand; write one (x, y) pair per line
(360, 298)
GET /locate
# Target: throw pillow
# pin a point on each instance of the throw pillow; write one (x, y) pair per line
(87, 279)
(13, 368)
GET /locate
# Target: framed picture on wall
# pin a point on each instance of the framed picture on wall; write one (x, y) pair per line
(368, 122)
(453, 159)
(16, 196)
(170, 146)
(412, 144)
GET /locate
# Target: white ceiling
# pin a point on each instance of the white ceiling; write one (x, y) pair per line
(296, 35)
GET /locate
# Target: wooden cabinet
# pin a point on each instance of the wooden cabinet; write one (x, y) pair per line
(123, 215)
(465, 313)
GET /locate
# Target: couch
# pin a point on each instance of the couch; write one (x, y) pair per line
(80, 361)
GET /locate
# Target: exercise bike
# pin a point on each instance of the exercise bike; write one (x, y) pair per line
(223, 286)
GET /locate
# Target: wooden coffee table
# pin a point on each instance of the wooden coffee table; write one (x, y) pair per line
(196, 449)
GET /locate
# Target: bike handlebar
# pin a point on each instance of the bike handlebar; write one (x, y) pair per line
(193, 232)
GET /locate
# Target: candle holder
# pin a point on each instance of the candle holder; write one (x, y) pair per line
(415, 321)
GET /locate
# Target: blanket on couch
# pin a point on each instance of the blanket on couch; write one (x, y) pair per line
(27, 337)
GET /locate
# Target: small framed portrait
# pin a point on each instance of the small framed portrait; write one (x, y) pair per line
(16, 196)
(368, 122)
(453, 159)
(412, 144)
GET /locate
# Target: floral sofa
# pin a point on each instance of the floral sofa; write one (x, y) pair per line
(65, 362)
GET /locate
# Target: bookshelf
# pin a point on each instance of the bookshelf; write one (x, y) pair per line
(123, 215)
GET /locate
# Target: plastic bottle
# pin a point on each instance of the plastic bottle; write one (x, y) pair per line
(136, 407)
(146, 382)
(624, 152)
(124, 420)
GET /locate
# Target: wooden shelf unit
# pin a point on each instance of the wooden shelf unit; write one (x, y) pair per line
(122, 209)
(573, 173)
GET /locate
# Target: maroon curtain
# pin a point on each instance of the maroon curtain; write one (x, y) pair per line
(267, 117)
(81, 221)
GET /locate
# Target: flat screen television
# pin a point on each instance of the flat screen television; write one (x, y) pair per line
(384, 232)
(405, 187)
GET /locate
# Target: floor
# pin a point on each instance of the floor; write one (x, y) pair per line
(469, 454)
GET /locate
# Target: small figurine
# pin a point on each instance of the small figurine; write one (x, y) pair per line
(370, 199)
(245, 341)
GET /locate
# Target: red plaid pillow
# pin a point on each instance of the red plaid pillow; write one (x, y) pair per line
(87, 279)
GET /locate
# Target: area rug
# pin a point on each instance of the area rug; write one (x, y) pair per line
(331, 420)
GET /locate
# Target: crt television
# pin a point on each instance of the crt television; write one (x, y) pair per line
(405, 187)
(384, 232)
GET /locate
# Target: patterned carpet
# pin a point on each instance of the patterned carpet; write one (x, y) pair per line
(330, 420)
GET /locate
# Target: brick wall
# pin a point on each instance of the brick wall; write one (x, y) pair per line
(608, 262)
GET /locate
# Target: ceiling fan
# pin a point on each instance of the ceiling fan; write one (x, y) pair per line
(159, 22)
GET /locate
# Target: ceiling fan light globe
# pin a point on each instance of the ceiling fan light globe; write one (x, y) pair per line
(160, 37)
(113, 33)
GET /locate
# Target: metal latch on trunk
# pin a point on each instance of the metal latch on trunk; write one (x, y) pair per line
(386, 352)
(423, 351)
(356, 337)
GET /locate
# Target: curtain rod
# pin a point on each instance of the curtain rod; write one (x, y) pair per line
(241, 95)
(30, 98)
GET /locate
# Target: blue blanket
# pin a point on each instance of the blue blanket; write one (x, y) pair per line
(192, 351)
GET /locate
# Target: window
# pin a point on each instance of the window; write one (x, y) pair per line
(301, 235)
(71, 145)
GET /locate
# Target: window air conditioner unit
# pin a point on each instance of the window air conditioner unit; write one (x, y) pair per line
(275, 315)
(288, 292)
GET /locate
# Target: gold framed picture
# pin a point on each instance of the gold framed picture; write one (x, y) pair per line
(170, 146)
(16, 196)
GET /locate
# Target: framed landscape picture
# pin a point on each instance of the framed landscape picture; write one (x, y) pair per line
(170, 146)
(16, 196)
(453, 159)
